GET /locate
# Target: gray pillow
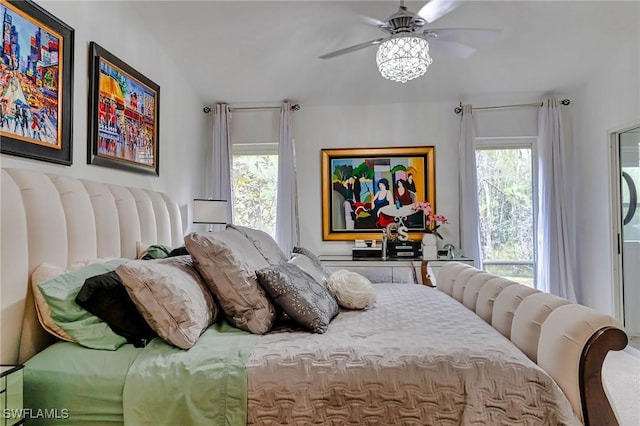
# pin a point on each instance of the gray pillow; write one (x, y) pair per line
(228, 261)
(315, 260)
(171, 296)
(310, 267)
(263, 242)
(305, 300)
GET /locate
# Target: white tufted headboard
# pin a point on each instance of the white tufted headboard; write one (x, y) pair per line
(63, 220)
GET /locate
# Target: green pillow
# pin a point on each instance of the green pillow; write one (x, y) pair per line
(157, 251)
(85, 328)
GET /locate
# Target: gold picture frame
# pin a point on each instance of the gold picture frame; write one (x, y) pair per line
(363, 189)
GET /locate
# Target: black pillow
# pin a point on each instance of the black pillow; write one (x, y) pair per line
(106, 297)
(180, 251)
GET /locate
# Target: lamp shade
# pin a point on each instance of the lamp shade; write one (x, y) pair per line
(209, 211)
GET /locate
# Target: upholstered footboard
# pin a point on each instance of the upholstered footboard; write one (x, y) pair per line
(569, 341)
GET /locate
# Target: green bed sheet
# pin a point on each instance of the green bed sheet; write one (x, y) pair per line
(86, 383)
(156, 385)
(206, 385)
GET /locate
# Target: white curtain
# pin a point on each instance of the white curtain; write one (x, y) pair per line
(221, 160)
(287, 205)
(469, 212)
(555, 253)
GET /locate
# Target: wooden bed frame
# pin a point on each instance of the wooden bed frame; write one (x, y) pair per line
(62, 220)
(596, 407)
(572, 341)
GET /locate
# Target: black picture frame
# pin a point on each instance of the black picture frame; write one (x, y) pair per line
(124, 132)
(40, 86)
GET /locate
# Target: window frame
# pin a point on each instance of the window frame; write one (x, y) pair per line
(486, 143)
(260, 153)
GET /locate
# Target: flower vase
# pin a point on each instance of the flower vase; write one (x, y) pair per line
(429, 246)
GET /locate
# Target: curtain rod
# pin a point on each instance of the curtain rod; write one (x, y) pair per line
(294, 107)
(458, 109)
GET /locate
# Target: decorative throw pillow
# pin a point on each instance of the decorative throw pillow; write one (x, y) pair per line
(310, 267)
(180, 251)
(228, 261)
(263, 242)
(106, 297)
(171, 296)
(298, 294)
(316, 261)
(151, 251)
(351, 290)
(42, 273)
(58, 295)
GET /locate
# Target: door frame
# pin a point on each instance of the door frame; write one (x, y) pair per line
(616, 221)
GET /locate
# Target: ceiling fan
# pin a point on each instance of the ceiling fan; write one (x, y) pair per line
(403, 54)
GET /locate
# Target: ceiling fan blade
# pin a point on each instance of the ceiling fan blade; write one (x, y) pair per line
(437, 8)
(452, 48)
(373, 22)
(353, 48)
(480, 35)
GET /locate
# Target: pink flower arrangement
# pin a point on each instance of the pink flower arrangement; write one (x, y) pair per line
(432, 221)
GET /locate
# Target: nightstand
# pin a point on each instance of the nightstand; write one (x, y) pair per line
(11, 395)
(398, 271)
(391, 270)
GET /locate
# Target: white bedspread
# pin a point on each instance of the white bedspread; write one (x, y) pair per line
(417, 358)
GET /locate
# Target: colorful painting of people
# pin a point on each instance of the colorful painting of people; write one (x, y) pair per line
(29, 89)
(126, 130)
(370, 194)
(402, 195)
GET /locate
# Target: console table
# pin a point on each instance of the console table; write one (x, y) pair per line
(391, 270)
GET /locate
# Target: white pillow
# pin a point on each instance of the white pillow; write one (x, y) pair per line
(351, 290)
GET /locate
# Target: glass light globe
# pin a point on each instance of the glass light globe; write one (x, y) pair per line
(403, 58)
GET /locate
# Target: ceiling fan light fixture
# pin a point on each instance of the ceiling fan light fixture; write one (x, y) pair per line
(403, 58)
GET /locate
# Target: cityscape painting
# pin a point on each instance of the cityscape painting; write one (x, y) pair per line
(123, 111)
(36, 96)
(364, 190)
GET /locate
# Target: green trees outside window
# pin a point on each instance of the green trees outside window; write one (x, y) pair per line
(254, 186)
(505, 199)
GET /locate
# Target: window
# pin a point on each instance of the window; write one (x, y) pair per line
(254, 169)
(506, 206)
(254, 185)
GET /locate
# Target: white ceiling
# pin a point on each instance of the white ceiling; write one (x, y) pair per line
(252, 52)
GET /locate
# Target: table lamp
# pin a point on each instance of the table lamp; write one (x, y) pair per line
(209, 212)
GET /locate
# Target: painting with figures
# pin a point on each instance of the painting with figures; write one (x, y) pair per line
(364, 190)
(36, 61)
(123, 115)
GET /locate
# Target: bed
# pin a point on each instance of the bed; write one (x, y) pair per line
(477, 350)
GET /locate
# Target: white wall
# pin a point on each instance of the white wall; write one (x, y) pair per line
(182, 124)
(368, 126)
(428, 123)
(610, 101)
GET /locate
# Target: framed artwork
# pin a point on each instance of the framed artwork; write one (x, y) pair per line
(36, 83)
(124, 112)
(364, 190)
